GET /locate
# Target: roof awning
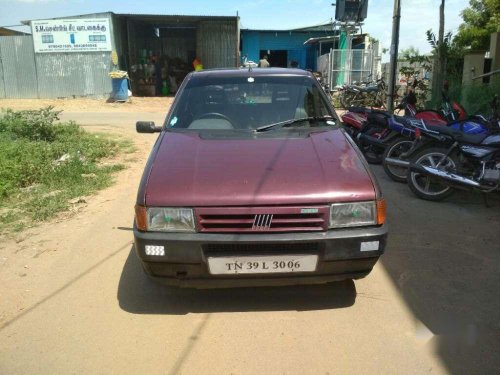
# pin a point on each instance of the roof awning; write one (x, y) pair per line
(320, 39)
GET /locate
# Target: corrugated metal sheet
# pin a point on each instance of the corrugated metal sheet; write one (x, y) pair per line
(2, 83)
(178, 47)
(217, 44)
(168, 17)
(62, 75)
(87, 15)
(18, 67)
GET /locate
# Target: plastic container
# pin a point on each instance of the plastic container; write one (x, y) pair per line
(120, 89)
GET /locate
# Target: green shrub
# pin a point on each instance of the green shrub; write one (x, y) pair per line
(44, 164)
(476, 99)
(37, 125)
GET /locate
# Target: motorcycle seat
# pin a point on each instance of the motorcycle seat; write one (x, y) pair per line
(364, 88)
(377, 118)
(458, 135)
(356, 88)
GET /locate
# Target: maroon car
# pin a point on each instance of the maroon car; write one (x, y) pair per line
(252, 182)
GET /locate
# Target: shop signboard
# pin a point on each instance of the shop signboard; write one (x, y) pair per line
(71, 35)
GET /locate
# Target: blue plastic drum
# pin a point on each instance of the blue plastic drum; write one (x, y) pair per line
(120, 89)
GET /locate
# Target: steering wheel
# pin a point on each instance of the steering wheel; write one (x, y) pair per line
(214, 115)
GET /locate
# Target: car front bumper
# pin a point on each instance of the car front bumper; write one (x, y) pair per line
(185, 264)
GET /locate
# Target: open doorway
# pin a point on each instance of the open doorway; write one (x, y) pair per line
(277, 58)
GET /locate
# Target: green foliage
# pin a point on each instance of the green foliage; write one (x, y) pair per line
(476, 99)
(31, 125)
(417, 63)
(434, 42)
(43, 164)
(481, 19)
(406, 53)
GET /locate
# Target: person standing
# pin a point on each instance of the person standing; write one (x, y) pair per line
(197, 65)
(264, 63)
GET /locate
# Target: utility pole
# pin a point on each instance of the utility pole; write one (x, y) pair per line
(439, 67)
(394, 54)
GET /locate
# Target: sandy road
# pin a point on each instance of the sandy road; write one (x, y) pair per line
(73, 298)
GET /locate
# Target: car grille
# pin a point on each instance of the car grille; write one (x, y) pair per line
(262, 219)
(261, 248)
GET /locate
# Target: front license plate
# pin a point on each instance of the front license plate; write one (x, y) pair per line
(262, 264)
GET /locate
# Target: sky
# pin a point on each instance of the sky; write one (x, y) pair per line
(417, 15)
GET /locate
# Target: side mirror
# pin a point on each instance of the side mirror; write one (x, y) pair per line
(147, 127)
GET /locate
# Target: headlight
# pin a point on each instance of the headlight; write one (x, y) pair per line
(164, 219)
(354, 214)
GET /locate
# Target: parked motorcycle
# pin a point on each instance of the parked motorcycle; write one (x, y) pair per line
(445, 158)
(356, 117)
(380, 135)
(372, 95)
(395, 151)
(383, 129)
(398, 139)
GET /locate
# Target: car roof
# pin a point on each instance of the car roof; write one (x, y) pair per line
(251, 72)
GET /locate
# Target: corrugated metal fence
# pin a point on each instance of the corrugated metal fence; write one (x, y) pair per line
(24, 74)
(217, 44)
(18, 78)
(74, 74)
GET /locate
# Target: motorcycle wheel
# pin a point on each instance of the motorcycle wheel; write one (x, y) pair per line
(381, 99)
(427, 187)
(346, 99)
(394, 150)
(373, 154)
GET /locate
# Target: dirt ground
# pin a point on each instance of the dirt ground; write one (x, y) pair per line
(135, 104)
(74, 298)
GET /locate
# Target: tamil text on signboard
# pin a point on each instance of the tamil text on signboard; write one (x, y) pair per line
(71, 35)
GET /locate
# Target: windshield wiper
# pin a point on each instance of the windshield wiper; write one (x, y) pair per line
(284, 124)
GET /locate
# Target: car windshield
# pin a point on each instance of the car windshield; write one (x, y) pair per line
(249, 103)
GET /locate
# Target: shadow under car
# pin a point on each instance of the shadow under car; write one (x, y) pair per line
(138, 294)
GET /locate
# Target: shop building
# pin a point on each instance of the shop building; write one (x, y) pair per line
(72, 56)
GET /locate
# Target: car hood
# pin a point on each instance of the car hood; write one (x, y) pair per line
(321, 168)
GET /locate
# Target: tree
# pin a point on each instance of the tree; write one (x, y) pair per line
(406, 53)
(439, 46)
(481, 19)
(416, 62)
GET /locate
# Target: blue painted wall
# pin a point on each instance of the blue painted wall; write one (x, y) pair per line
(253, 41)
